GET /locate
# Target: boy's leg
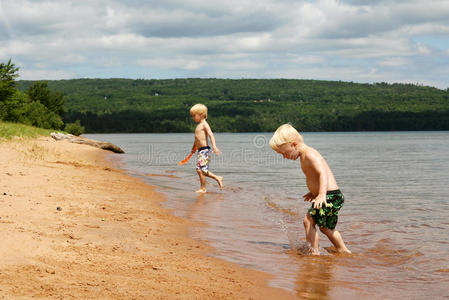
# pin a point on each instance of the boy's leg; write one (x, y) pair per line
(219, 179)
(336, 239)
(202, 182)
(311, 233)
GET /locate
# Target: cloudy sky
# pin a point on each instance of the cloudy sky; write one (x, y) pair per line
(348, 40)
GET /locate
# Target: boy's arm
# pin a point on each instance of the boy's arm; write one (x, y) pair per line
(317, 165)
(212, 138)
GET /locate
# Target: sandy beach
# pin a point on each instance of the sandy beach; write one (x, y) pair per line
(72, 226)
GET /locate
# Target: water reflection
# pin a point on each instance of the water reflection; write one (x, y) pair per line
(314, 277)
(205, 204)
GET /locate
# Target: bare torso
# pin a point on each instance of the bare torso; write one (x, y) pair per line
(310, 161)
(201, 135)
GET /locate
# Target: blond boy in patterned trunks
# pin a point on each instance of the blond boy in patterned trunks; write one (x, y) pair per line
(202, 132)
(324, 193)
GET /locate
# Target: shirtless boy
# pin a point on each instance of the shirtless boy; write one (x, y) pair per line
(202, 133)
(324, 193)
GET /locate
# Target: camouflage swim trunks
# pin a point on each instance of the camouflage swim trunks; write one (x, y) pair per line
(327, 216)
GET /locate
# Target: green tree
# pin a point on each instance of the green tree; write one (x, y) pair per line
(74, 128)
(20, 109)
(8, 74)
(36, 114)
(40, 92)
(39, 107)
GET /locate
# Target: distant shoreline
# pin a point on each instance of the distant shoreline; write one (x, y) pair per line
(250, 105)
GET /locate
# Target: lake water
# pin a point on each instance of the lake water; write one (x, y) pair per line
(395, 219)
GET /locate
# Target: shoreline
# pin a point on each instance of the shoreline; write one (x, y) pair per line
(74, 226)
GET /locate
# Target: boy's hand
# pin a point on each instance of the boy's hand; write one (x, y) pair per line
(217, 151)
(308, 197)
(318, 202)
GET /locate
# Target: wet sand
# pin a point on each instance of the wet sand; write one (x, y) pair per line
(72, 226)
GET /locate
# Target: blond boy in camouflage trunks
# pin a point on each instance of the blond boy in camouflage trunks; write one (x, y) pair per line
(324, 193)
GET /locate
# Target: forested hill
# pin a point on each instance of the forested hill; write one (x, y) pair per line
(245, 105)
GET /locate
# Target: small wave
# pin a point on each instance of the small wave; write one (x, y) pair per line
(384, 254)
(234, 189)
(304, 248)
(281, 245)
(162, 175)
(280, 209)
(431, 226)
(442, 271)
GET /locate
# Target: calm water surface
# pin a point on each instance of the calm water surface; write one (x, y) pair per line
(395, 219)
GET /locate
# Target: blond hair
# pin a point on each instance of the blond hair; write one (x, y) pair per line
(285, 134)
(199, 109)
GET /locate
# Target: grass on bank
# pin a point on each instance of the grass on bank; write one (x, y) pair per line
(10, 130)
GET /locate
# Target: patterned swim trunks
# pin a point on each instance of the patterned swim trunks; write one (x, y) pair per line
(203, 158)
(327, 216)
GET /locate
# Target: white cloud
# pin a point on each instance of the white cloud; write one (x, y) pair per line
(307, 60)
(394, 62)
(423, 49)
(32, 74)
(17, 47)
(167, 63)
(360, 41)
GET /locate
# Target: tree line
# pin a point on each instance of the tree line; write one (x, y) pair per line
(250, 105)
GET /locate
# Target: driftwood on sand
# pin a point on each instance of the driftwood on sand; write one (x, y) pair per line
(82, 140)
